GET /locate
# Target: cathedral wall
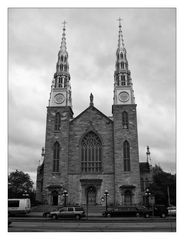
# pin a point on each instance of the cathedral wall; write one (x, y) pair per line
(95, 121)
(58, 178)
(77, 191)
(132, 177)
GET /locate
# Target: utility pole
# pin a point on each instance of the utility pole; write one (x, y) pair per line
(168, 195)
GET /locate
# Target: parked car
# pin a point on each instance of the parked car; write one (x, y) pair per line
(68, 212)
(171, 211)
(122, 212)
(156, 210)
(47, 213)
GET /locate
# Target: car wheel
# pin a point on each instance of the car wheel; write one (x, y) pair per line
(77, 217)
(147, 215)
(137, 215)
(54, 216)
(108, 215)
(163, 215)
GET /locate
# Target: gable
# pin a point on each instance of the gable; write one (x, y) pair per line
(92, 111)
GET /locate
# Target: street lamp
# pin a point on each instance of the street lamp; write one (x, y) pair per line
(147, 195)
(25, 194)
(106, 193)
(65, 195)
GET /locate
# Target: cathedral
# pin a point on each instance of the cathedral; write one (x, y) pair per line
(90, 154)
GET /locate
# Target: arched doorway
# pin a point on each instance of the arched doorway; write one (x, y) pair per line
(55, 198)
(91, 195)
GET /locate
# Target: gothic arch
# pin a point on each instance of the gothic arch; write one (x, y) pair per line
(56, 156)
(125, 119)
(57, 123)
(91, 153)
(126, 155)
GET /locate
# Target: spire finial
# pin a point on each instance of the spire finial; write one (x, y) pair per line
(91, 99)
(119, 19)
(120, 40)
(64, 29)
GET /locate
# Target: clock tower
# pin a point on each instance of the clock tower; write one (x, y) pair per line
(61, 89)
(126, 155)
(123, 91)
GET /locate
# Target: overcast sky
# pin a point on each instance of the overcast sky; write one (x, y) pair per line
(92, 37)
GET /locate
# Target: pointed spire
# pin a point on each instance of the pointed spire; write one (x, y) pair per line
(122, 74)
(121, 45)
(61, 82)
(62, 63)
(63, 42)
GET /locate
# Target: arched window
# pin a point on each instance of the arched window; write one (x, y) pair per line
(121, 54)
(57, 124)
(65, 82)
(128, 197)
(123, 80)
(91, 153)
(125, 120)
(56, 152)
(60, 82)
(126, 155)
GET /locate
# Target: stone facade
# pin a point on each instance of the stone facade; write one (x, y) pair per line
(70, 177)
(90, 153)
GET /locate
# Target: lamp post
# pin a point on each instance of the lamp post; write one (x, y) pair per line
(147, 195)
(25, 194)
(106, 193)
(65, 195)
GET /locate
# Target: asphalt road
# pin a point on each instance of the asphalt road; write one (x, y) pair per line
(93, 225)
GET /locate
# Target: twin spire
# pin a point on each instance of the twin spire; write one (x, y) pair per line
(61, 81)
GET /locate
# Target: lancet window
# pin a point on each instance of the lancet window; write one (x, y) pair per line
(91, 153)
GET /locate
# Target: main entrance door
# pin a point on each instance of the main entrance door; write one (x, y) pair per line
(54, 198)
(91, 195)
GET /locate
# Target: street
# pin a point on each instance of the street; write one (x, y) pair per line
(93, 224)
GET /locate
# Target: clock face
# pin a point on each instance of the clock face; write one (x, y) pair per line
(123, 96)
(59, 98)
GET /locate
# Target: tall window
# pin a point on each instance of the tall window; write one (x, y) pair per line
(123, 80)
(56, 152)
(60, 82)
(91, 153)
(57, 121)
(125, 120)
(126, 155)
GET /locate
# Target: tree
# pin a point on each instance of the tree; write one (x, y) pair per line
(19, 183)
(162, 181)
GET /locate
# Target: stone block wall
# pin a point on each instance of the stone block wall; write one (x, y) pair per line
(122, 177)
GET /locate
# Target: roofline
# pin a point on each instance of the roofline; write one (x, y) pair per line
(92, 107)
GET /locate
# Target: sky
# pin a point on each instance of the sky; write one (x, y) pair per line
(34, 37)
